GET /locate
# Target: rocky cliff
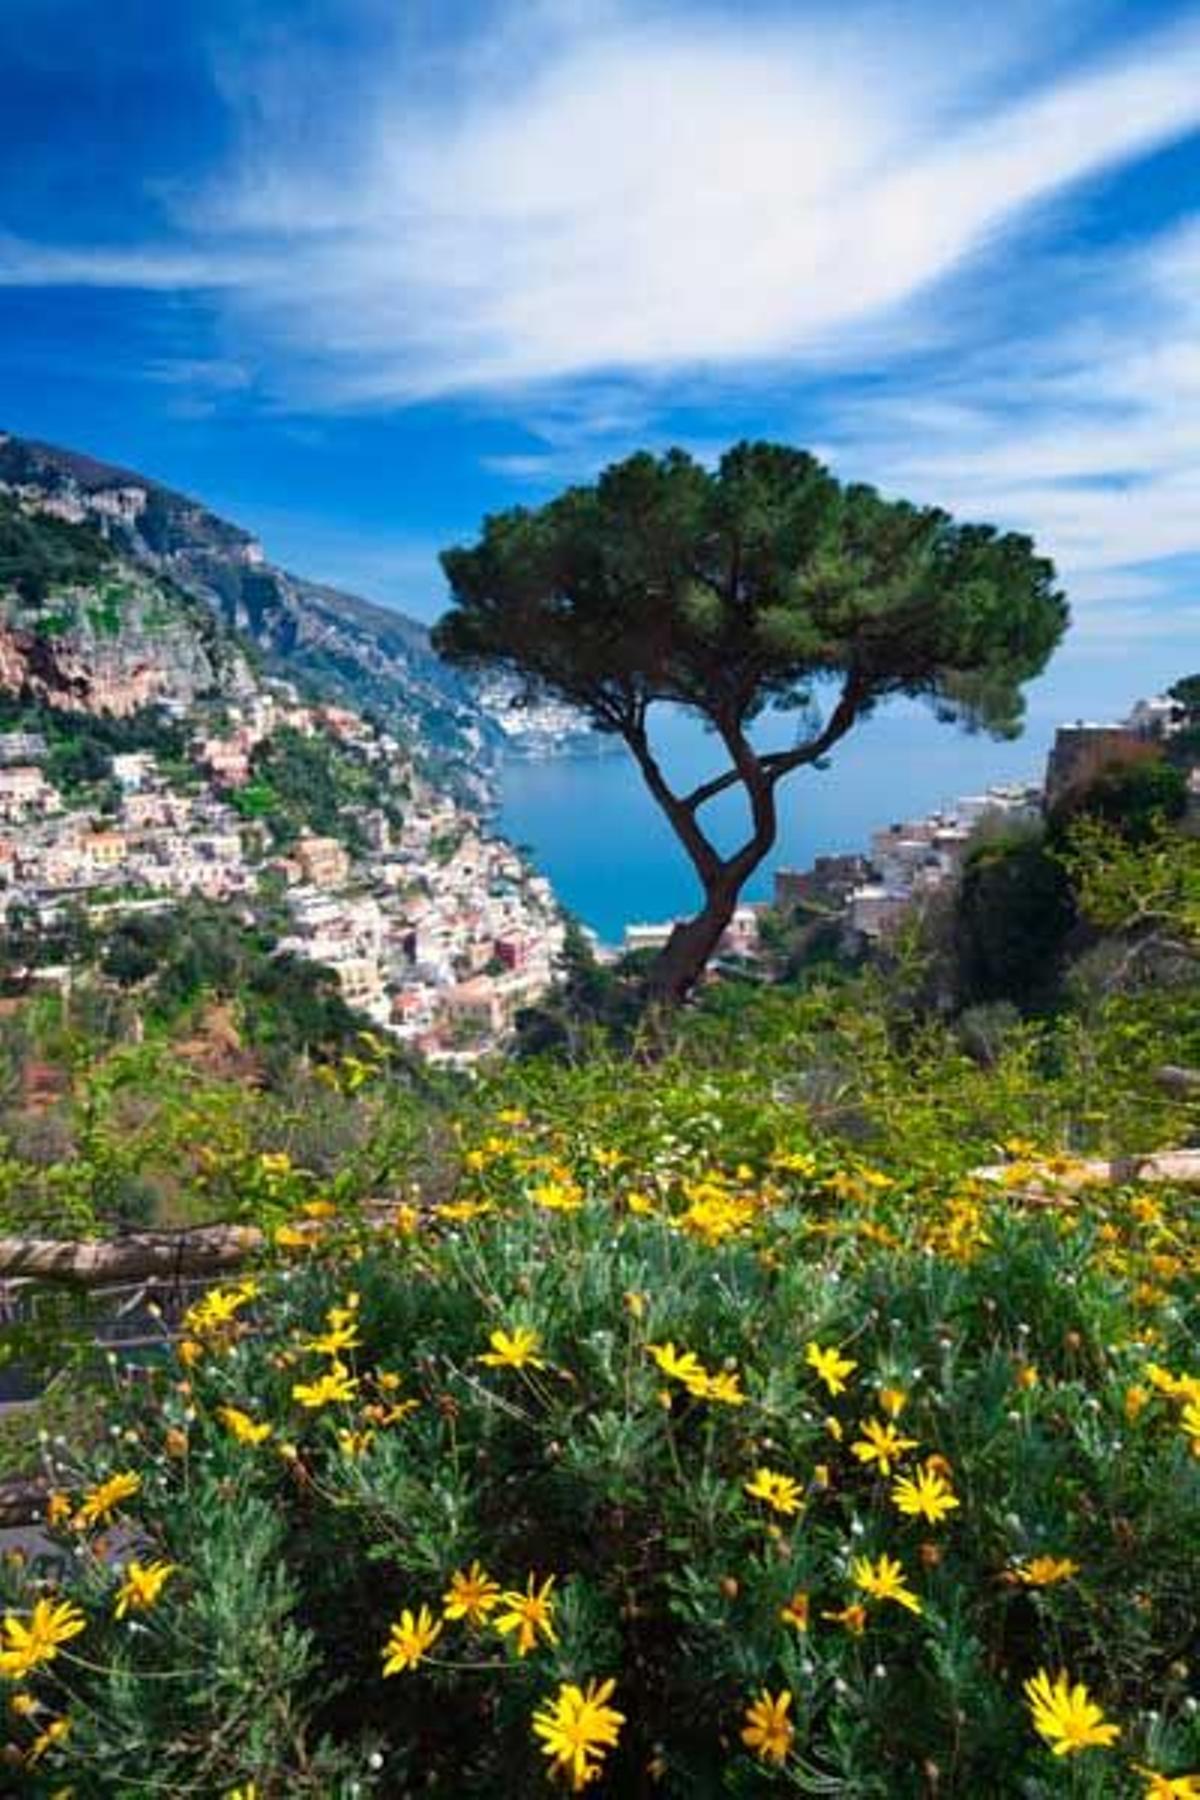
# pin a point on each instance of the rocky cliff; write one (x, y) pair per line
(86, 629)
(366, 656)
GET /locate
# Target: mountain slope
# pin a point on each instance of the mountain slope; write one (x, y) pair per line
(85, 629)
(363, 655)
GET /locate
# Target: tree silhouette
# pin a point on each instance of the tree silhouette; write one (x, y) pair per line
(745, 588)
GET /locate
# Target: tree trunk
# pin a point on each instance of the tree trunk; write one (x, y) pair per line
(686, 953)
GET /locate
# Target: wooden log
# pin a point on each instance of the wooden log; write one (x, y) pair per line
(140, 1256)
(22, 1501)
(1179, 1168)
(191, 1252)
(1175, 1080)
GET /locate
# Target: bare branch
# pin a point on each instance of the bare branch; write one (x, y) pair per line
(780, 762)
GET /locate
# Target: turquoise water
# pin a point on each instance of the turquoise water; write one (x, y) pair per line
(594, 830)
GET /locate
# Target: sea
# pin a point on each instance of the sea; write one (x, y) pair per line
(589, 824)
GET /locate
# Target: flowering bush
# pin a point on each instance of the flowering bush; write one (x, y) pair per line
(647, 1467)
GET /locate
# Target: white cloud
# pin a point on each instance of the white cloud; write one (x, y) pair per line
(1086, 435)
(615, 193)
(595, 209)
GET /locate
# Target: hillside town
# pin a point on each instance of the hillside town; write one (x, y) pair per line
(438, 932)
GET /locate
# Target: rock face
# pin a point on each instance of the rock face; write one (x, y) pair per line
(85, 629)
(364, 655)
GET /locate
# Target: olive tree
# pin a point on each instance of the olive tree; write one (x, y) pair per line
(764, 583)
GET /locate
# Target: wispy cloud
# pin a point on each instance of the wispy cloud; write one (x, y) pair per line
(639, 195)
(588, 214)
(1087, 434)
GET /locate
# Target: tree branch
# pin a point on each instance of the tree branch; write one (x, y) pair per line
(850, 703)
(705, 860)
(780, 762)
(760, 793)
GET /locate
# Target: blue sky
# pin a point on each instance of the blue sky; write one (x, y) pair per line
(356, 273)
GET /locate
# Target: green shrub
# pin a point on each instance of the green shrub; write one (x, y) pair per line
(595, 1365)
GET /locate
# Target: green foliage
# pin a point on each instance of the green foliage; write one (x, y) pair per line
(736, 589)
(40, 554)
(310, 784)
(81, 746)
(789, 1167)
(1014, 911)
(1135, 798)
(178, 955)
(627, 1214)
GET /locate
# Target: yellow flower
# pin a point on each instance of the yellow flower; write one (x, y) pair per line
(853, 1617)
(1027, 1376)
(780, 1492)
(390, 1415)
(925, 1495)
(557, 1196)
(768, 1731)
(1190, 1424)
(893, 1400)
(26, 1644)
(189, 1352)
(1137, 1398)
(58, 1508)
(1044, 1571)
(722, 1386)
(461, 1212)
(472, 1595)
(831, 1367)
(796, 1611)
(218, 1309)
(354, 1443)
(578, 1728)
(882, 1444)
(290, 1237)
(529, 1613)
(793, 1162)
(54, 1733)
(99, 1505)
(142, 1585)
(1169, 1787)
(410, 1640)
(1067, 1717)
(682, 1365)
(1176, 1387)
(513, 1350)
(241, 1426)
(319, 1209)
(335, 1385)
(714, 1217)
(341, 1333)
(884, 1581)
